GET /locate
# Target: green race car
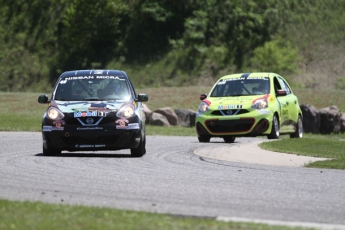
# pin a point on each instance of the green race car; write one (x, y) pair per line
(249, 104)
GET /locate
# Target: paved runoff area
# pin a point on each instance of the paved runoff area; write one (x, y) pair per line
(250, 152)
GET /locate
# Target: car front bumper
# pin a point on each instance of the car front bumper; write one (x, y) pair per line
(91, 140)
(239, 125)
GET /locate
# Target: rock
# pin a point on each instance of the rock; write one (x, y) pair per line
(159, 120)
(330, 120)
(169, 113)
(186, 117)
(311, 119)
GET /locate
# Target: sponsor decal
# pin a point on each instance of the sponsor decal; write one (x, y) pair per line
(130, 126)
(90, 146)
(51, 128)
(86, 114)
(221, 107)
(108, 77)
(89, 128)
(243, 77)
(133, 126)
(58, 128)
(64, 81)
(263, 111)
(257, 78)
(59, 123)
(47, 128)
(122, 122)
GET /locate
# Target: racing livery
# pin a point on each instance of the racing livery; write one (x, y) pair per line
(93, 110)
(249, 104)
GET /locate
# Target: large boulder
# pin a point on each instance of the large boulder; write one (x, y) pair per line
(330, 120)
(311, 119)
(159, 120)
(186, 117)
(169, 113)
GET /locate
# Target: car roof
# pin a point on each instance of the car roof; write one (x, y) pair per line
(245, 75)
(103, 72)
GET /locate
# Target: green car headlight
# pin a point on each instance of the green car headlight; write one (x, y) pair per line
(203, 107)
(260, 103)
(54, 114)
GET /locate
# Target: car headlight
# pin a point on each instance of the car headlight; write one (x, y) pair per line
(54, 114)
(125, 111)
(203, 107)
(260, 103)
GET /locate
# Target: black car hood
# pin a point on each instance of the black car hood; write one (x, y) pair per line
(88, 106)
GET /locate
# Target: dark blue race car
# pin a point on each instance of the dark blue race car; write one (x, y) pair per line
(93, 110)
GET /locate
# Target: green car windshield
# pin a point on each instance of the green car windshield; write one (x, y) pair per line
(241, 87)
(74, 89)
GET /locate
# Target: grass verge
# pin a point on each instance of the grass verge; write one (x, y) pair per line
(38, 215)
(326, 146)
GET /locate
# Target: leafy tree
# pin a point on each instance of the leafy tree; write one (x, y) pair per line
(276, 56)
(150, 24)
(89, 34)
(228, 30)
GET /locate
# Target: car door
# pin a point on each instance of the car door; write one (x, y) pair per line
(289, 107)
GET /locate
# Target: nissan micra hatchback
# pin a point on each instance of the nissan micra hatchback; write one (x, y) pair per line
(249, 104)
(93, 110)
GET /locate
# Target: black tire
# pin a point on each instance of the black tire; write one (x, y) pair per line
(140, 150)
(275, 129)
(299, 129)
(51, 151)
(204, 139)
(229, 139)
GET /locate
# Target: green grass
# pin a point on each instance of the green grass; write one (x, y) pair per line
(325, 146)
(38, 215)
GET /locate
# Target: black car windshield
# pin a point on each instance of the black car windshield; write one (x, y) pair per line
(241, 87)
(91, 88)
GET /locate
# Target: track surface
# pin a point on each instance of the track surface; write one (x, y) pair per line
(170, 178)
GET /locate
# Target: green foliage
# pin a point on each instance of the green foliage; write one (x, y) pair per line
(181, 40)
(26, 38)
(228, 30)
(89, 34)
(276, 56)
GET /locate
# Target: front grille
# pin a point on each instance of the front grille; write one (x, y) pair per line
(229, 126)
(229, 112)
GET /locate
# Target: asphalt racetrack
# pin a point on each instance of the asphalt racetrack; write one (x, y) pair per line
(174, 178)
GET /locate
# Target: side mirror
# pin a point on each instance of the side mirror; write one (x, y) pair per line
(43, 99)
(203, 96)
(142, 97)
(281, 92)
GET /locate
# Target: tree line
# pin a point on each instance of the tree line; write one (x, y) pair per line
(174, 41)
